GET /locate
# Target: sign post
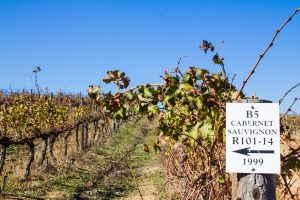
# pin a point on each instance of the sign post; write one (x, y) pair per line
(253, 148)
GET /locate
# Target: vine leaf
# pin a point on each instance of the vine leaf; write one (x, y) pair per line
(153, 109)
(194, 131)
(118, 78)
(205, 131)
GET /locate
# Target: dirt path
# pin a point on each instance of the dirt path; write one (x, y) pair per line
(148, 188)
(131, 174)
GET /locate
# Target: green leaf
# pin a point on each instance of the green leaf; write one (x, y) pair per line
(147, 92)
(221, 179)
(119, 114)
(142, 99)
(129, 96)
(194, 131)
(187, 77)
(153, 109)
(185, 86)
(214, 112)
(206, 131)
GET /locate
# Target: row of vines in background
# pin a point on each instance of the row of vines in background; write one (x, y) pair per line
(27, 117)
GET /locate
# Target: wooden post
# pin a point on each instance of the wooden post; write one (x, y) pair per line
(253, 186)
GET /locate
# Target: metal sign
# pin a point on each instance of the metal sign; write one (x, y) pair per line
(252, 138)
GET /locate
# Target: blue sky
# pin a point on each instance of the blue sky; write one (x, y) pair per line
(76, 42)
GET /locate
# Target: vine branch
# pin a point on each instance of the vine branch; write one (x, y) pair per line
(134, 88)
(265, 51)
(296, 99)
(287, 92)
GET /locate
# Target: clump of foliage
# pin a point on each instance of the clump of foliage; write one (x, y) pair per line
(191, 119)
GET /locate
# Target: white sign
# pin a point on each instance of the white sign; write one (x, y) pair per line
(252, 138)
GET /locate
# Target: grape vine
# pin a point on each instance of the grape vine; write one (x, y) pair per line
(27, 117)
(190, 108)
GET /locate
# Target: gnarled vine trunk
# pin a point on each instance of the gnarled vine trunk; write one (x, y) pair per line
(51, 145)
(2, 156)
(76, 138)
(86, 135)
(43, 151)
(95, 131)
(67, 134)
(82, 137)
(29, 161)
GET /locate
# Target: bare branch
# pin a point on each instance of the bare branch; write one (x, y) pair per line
(285, 94)
(296, 99)
(179, 60)
(265, 51)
